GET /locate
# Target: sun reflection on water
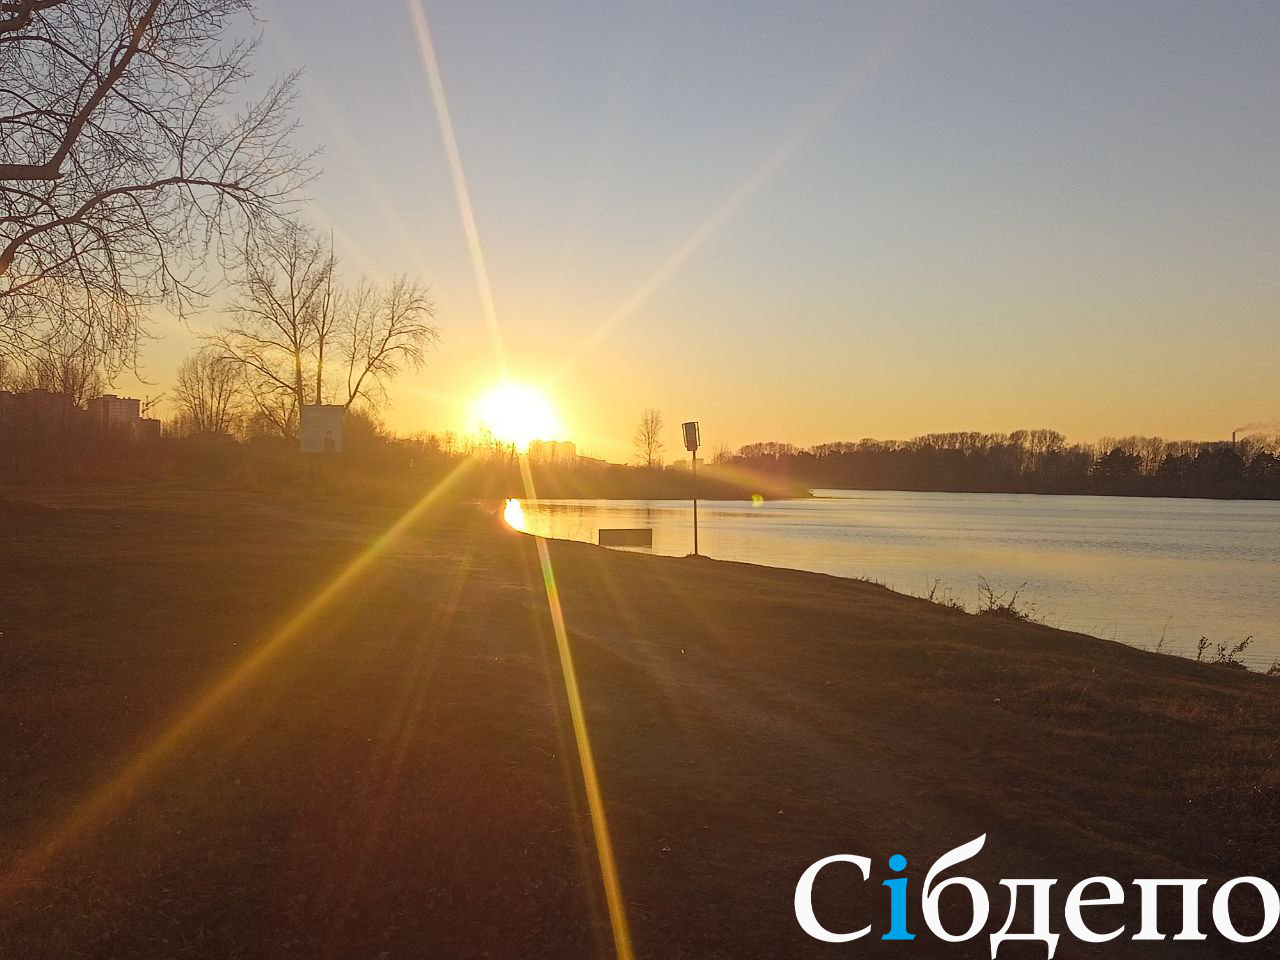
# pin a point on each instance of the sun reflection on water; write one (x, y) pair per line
(513, 514)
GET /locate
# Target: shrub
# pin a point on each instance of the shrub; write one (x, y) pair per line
(1006, 604)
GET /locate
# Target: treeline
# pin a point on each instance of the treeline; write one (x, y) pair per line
(1028, 461)
(47, 436)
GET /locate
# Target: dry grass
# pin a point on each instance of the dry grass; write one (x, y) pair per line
(399, 779)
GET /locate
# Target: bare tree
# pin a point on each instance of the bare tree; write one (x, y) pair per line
(382, 331)
(281, 319)
(209, 393)
(648, 438)
(65, 367)
(298, 338)
(124, 163)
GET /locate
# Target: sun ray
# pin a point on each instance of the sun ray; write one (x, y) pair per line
(349, 144)
(401, 727)
(426, 48)
(111, 796)
(586, 759)
(789, 147)
(589, 177)
(595, 803)
(667, 683)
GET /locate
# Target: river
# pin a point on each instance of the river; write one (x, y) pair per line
(1147, 572)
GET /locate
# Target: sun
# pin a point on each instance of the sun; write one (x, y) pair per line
(516, 413)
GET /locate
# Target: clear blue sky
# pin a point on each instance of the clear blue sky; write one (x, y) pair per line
(825, 220)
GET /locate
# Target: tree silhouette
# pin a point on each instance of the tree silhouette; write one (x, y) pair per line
(648, 438)
(64, 367)
(297, 337)
(208, 391)
(1029, 461)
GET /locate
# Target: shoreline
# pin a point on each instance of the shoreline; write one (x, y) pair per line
(1155, 575)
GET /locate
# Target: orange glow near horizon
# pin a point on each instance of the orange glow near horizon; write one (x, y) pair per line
(516, 413)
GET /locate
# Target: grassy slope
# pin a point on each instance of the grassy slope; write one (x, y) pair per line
(399, 775)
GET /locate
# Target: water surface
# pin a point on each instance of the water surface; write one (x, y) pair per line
(1130, 569)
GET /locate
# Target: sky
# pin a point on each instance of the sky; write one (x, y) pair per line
(810, 221)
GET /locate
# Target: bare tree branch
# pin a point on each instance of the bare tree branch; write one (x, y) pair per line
(16, 14)
(125, 165)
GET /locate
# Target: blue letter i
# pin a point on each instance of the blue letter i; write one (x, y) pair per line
(898, 901)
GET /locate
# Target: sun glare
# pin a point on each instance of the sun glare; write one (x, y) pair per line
(515, 413)
(513, 513)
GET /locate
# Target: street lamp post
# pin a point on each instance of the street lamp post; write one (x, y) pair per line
(692, 440)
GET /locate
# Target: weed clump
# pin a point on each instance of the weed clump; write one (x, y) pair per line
(942, 595)
(1228, 655)
(1007, 605)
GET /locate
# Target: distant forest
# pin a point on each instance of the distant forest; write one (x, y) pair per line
(1028, 461)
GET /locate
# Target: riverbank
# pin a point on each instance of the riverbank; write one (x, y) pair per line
(237, 727)
(1155, 574)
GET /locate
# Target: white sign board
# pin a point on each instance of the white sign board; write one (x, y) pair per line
(321, 428)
